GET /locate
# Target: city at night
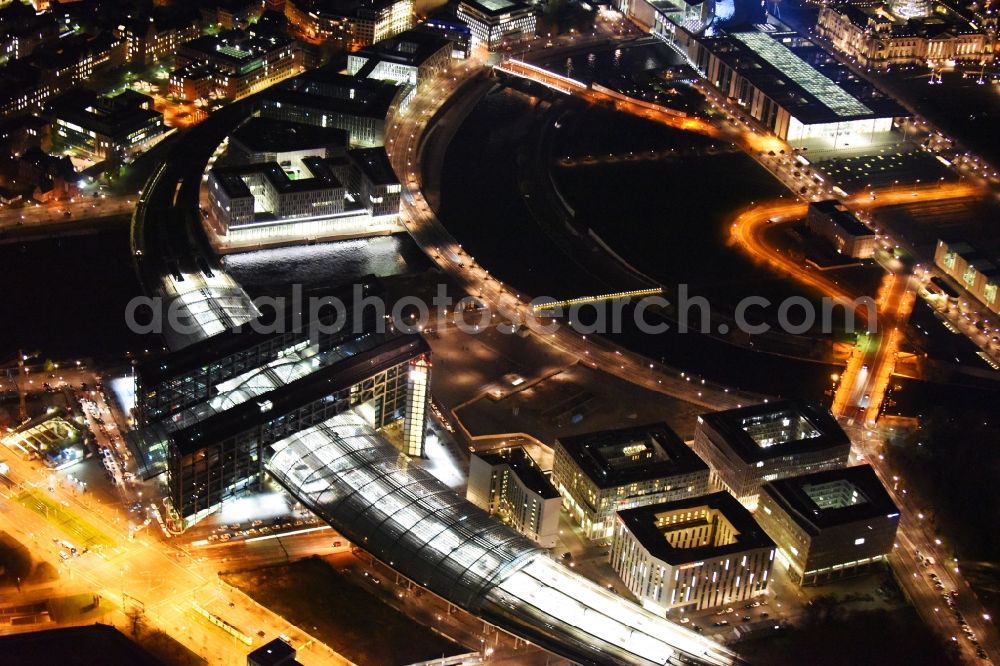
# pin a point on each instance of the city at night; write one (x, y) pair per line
(499, 332)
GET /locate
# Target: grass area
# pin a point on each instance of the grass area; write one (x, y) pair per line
(313, 595)
(80, 532)
(832, 638)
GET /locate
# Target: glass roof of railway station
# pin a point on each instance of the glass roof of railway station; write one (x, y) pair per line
(207, 306)
(345, 472)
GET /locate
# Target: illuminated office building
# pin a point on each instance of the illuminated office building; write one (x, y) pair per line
(903, 34)
(691, 554)
(829, 525)
(837, 224)
(975, 271)
(772, 77)
(497, 22)
(116, 128)
(354, 24)
(603, 472)
(748, 446)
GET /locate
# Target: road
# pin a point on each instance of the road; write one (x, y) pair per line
(142, 572)
(82, 214)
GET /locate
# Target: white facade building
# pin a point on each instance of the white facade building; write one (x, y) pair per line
(692, 554)
(509, 484)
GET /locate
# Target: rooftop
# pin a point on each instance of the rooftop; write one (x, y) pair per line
(776, 429)
(612, 458)
(663, 529)
(114, 116)
(327, 90)
(412, 47)
(496, 7)
(844, 218)
(942, 20)
(347, 8)
(263, 135)
(835, 497)
(524, 467)
(233, 178)
(782, 66)
(374, 164)
(828, 93)
(272, 654)
(235, 48)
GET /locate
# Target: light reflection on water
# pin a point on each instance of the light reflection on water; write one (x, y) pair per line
(325, 263)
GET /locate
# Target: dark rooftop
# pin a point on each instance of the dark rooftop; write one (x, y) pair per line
(844, 218)
(408, 48)
(612, 458)
(114, 116)
(784, 75)
(325, 89)
(524, 467)
(264, 135)
(748, 535)
(374, 164)
(275, 653)
(91, 645)
(813, 501)
(800, 428)
(235, 48)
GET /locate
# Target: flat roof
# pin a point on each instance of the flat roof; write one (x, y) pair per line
(842, 215)
(747, 534)
(612, 458)
(265, 135)
(231, 177)
(374, 164)
(411, 47)
(115, 116)
(496, 7)
(803, 499)
(797, 85)
(272, 654)
(524, 467)
(809, 429)
(284, 399)
(235, 47)
(89, 644)
(327, 90)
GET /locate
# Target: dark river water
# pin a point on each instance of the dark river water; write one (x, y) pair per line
(67, 298)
